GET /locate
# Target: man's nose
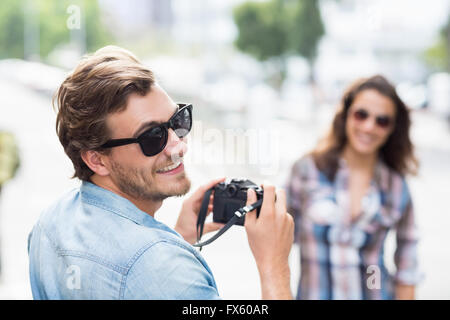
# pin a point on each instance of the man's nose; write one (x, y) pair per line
(176, 147)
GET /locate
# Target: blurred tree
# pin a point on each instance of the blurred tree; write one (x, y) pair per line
(262, 30)
(97, 34)
(11, 29)
(438, 56)
(277, 29)
(263, 33)
(9, 162)
(51, 17)
(306, 30)
(9, 157)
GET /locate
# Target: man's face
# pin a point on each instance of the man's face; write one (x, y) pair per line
(133, 173)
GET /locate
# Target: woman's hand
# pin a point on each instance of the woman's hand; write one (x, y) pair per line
(187, 220)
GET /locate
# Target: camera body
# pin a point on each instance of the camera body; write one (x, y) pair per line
(231, 196)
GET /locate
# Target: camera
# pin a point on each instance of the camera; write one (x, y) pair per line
(231, 196)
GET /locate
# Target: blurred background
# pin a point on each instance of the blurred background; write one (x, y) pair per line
(272, 70)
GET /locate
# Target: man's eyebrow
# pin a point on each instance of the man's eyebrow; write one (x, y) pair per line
(150, 124)
(146, 125)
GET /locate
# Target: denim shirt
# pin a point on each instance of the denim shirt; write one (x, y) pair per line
(94, 244)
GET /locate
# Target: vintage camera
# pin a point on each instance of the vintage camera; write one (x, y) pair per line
(231, 196)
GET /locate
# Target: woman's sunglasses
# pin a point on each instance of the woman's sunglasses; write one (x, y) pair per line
(154, 139)
(381, 121)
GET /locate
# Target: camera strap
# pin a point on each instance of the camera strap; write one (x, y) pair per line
(202, 214)
(241, 212)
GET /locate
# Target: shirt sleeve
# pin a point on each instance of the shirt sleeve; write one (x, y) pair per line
(169, 271)
(405, 256)
(294, 189)
(295, 192)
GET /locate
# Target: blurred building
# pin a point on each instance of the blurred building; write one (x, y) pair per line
(205, 22)
(389, 37)
(200, 22)
(134, 16)
(363, 37)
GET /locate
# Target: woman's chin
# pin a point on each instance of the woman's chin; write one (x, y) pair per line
(365, 150)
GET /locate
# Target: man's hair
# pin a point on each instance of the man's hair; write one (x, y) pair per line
(98, 86)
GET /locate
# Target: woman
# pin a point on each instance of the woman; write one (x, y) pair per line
(349, 192)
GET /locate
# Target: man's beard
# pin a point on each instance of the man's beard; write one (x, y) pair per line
(140, 184)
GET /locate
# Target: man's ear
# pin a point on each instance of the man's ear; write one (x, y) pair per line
(95, 161)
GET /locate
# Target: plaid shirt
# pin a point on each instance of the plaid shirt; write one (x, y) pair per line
(341, 258)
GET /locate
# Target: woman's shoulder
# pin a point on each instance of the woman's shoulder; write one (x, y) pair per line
(305, 168)
(393, 182)
(305, 162)
(389, 175)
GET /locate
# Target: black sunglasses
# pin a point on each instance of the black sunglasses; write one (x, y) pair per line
(381, 121)
(154, 139)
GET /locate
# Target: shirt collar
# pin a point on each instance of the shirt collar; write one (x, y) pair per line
(380, 172)
(381, 176)
(112, 202)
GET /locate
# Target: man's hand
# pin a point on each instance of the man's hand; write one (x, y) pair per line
(187, 220)
(270, 237)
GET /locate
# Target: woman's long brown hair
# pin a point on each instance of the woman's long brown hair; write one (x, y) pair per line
(398, 151)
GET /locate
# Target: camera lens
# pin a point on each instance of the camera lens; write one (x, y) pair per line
(231, 190)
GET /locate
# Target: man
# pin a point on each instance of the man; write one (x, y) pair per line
(126, 139)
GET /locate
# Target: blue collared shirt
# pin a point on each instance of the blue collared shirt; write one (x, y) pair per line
(94, 244)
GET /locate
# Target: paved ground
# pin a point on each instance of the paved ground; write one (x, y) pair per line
(45, 173)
